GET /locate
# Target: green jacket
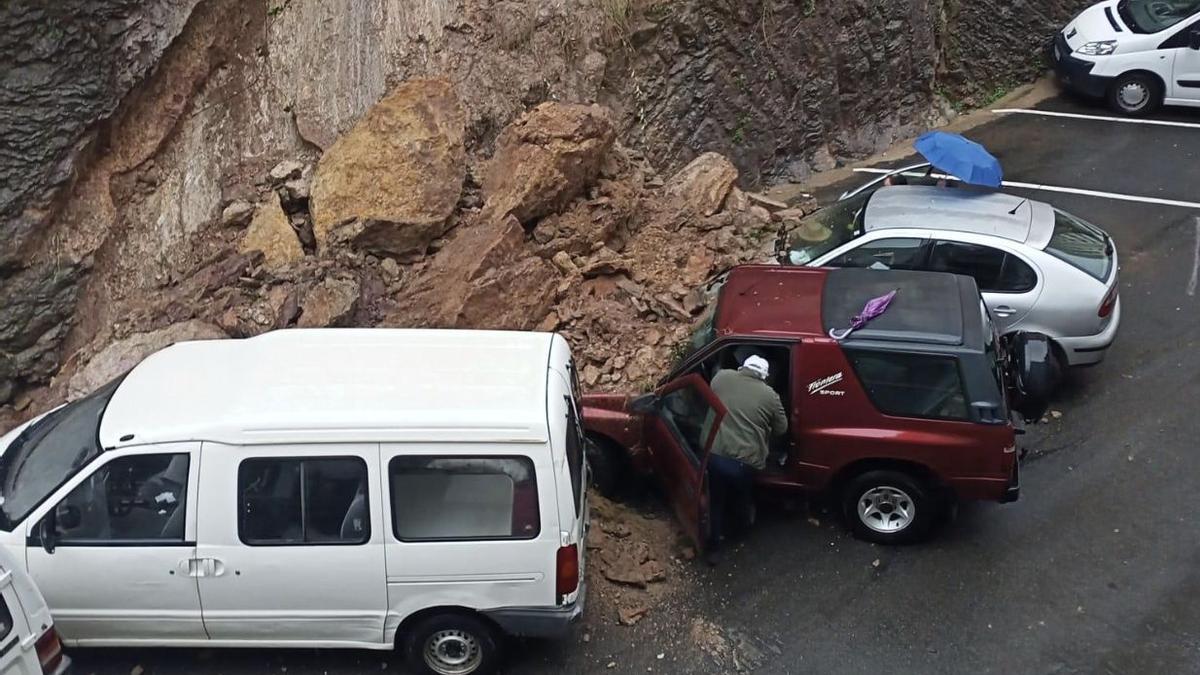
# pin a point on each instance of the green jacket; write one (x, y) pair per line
(755, 416)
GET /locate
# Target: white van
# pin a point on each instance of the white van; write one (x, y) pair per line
(29, 645)
(359, 488)
(1138, 54)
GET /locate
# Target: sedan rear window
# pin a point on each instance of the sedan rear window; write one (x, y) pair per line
(1081, 246)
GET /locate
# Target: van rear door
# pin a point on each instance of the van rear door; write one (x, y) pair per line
(680, 430)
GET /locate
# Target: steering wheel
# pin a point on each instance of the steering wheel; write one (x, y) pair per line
(1162, 10)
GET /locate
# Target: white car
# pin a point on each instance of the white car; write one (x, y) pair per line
(29, 644)
(372, 489)
(1039, 269)
(1138, 54)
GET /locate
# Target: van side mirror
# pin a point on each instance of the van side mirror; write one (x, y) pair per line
(46, 532)
(1194, 39)
(644, 404)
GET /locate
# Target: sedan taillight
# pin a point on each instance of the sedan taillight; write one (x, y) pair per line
(1109, 302)
(49, 651)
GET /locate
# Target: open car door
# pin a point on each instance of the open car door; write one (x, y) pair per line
(680, 429)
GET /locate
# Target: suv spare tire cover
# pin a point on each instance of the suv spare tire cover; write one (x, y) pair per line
(1037, 371)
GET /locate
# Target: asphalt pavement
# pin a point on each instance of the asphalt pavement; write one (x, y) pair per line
(1095, 570)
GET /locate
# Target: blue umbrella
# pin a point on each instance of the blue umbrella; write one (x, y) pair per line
(966, 160)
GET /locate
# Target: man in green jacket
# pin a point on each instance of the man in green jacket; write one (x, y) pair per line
(755, 416)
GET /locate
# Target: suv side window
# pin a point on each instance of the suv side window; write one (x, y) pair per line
(994, 270)
(288, 501)
(884, 254)
(463, 498)
(912, 385)
(139, 498)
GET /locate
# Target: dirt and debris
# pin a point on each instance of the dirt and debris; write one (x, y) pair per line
(729, 648)
(636, 561)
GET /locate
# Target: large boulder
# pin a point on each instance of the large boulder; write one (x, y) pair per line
(487, 278)
(396, 177)
(123, 355)
(272, 233)
(704, 183)
(545, 159)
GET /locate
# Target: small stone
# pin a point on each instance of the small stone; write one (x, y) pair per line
(562, 260)
(611, 664)
(814, 522)
(591, 375)
(628, 616)
(390, 269)
(1056, 414)
(761, 214)
(137, 670)
(766, 202)
(237, 214)
(876, 563)
(285, 170)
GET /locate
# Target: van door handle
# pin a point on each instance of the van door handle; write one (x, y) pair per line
(191, 567)
(1004, 310)
(214, 567)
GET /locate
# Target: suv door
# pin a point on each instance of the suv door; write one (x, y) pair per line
(113, 552)
(679, 434)
(1009, 284)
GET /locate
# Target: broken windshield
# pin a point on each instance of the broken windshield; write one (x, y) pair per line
(1152, 16)
(48, 453)
(827, 229)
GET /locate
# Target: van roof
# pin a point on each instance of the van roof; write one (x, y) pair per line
(931, 308)
(338, 385)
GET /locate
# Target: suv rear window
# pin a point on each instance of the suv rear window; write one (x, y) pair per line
(1081, 246)
(912, 385)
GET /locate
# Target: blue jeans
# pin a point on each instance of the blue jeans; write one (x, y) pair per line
(731, 491)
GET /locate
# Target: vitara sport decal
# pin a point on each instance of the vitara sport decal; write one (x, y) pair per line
(822, 386)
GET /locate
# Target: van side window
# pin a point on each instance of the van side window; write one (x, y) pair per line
(575, 452)
(291, 501)
(6, 619)
(140, 498)
(463, 498)
(912, 385)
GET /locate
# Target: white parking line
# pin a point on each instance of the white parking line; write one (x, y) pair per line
(1191, 289)
(1100, 118)
(1064, 190)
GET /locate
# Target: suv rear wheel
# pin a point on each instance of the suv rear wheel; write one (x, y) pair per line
(452, 644)
(890, 507)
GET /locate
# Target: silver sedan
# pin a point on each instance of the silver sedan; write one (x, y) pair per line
(1039, 269)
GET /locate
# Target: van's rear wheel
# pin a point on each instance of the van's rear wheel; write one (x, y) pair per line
(890, 507)
(1135, 94)
(452, 644)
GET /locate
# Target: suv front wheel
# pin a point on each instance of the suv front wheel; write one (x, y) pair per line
(890, 507)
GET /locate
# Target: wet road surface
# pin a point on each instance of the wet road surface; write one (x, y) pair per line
(1095, 570)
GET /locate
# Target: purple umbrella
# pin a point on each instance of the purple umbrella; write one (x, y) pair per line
(870, 311)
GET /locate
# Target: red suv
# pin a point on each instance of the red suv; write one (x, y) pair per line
(896, 421)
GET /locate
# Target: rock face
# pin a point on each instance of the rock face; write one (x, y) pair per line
(329, 303)
(397, 174)
(545, 158)
(272, 233)
(705, 182)
(124, 354)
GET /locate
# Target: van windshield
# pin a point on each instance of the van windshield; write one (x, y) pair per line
(1152, 16)
(49, 452)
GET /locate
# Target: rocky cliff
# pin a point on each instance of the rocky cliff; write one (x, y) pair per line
(251, 165)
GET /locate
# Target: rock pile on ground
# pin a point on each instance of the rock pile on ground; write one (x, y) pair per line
(566, 231)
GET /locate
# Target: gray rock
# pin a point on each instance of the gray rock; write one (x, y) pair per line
(237, 214)
(286, 170)
(123, 355)
(330, 303)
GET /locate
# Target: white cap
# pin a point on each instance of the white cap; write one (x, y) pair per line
(757, 365)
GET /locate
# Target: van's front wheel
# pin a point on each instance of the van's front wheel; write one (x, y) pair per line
(890, 507)
(452, 644)
(1135, 94)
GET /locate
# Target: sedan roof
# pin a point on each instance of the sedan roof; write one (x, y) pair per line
(960, 209)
